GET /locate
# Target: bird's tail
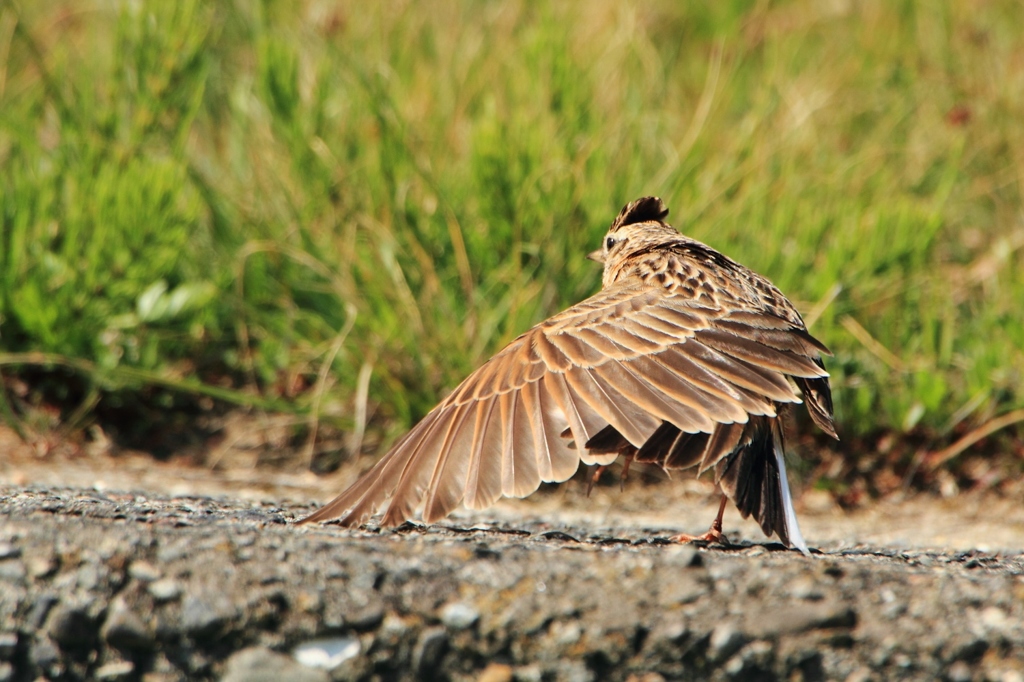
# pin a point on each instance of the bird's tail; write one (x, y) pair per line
(754, 477)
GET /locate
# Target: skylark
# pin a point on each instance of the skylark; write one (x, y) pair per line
(685, 358)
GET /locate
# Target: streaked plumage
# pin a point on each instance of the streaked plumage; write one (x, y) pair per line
(685, 358)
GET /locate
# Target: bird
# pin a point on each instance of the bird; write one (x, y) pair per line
(683, 359)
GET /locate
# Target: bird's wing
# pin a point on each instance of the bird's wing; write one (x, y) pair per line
(628, 358)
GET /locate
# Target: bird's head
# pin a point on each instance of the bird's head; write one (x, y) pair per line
(639, 225)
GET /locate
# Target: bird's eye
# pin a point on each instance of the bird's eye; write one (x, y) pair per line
(609, 243)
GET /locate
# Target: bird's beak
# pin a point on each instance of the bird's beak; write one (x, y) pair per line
(596, 256)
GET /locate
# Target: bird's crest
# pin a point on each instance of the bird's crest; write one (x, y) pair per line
(645, 209)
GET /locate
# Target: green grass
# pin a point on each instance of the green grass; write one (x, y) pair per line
(260, 202)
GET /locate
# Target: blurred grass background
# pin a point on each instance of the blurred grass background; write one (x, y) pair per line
(337, 210)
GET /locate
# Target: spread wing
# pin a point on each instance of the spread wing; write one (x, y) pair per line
(629, 359)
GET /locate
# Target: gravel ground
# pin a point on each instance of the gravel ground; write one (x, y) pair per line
(118, 586)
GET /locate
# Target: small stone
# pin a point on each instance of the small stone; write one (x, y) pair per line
(429, 650)
(8, 645)
(40, 609)
(308, 601)
(125, 630)
(44, 654)
(994, 619)
(42, 566)
(751, 661)
(367, 618)
(684, 555)
(165, 589)
(144, 571)
(573, 671)
(12, 571)
(805, 588)
(71, 626)
(802, 617)
(566, 634)
(969, 651)
(89, 577)
(9, 551)
(459, 616)
(528, 673)
(115, 671)
(859, 675)
(258, 664)
(682, 588)
(665, 638)
(6, 672)
(810, 663)
(327, 653)
(959, 672)
(726, 640)
(207, 615)
(496, 672)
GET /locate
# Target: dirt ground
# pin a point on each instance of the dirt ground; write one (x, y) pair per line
(124, 568)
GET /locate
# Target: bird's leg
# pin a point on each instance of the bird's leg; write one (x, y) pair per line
(714, 533)
(597, 475)
(625, 469)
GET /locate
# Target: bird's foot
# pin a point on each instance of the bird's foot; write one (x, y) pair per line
(713, 535)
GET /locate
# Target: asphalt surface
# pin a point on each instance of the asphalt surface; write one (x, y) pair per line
(122, 586)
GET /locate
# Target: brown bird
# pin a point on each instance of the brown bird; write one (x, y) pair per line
(685, 358)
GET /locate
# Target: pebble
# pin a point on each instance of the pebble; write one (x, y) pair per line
(684, 555)
(664, 640)
(205, 616)
(12, 571)
(459, 616)
(959, 672)
(42, 566)
(496, 672)
(8, 645)
(726, 639)
(144, 571)
(366, 618)
(71, 626)
(40, 609)
(682, 588)
(9, 551)
(566, 633)
(803, 617)
(259, 664)
(862, 674)
(125, 630)
(573, 671)
(90, 577)
(116, 671)
(752, 659)
(165, 589)
(528, 673)
(44, 654)
(327, 653)
(429, 649)
(6, 672)
(806, 588)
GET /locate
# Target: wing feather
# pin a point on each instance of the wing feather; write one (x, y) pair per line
(621, 413)
(483, 487)
(564, 459)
